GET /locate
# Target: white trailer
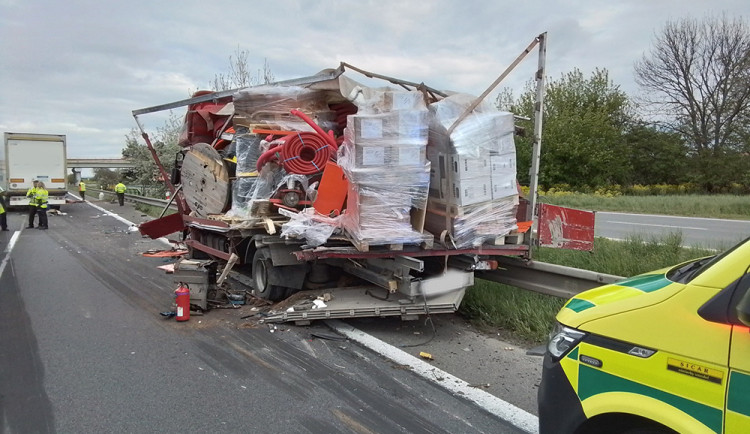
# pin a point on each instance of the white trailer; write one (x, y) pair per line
(26, 157)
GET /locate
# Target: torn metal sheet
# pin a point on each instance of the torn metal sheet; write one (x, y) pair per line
(359, 303)
(566, 228)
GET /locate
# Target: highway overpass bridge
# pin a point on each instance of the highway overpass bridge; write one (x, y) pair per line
(99, 163)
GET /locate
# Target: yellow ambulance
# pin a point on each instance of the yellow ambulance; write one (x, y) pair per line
(666, 351)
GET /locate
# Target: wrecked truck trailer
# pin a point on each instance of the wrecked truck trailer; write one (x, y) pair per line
(343, 199)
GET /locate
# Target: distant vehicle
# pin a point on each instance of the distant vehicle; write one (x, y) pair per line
(27, 157)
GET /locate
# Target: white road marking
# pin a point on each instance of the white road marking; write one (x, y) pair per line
(671, 216)
(8, 249)
(658, 226)
(124, 220)
(111, 214)
(505, 410)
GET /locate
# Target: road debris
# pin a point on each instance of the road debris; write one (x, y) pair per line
(424, 355)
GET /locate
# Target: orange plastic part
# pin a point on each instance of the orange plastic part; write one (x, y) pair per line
(332, 191)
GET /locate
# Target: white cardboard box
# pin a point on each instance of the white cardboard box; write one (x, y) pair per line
(504, 164)
(503, 185)
(462, 167)
(469, 191)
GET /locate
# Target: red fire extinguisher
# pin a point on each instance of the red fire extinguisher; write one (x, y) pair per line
(182, 296)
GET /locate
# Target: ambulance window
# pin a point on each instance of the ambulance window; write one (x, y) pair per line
(690, 271)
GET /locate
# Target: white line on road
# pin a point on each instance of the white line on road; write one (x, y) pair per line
(505, 410)
(658, 226)
(124, 220)
(8, 249)
(598, 213)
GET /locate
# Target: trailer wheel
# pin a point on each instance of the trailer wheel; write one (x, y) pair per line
(263, 271)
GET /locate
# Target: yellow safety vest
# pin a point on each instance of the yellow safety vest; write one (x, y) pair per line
(120, 188)
(81, 186)
(2, 210)
(41, 198)
(31, 194)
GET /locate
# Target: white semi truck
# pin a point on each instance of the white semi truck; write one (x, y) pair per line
(26, 157)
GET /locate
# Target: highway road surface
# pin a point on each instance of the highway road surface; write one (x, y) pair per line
(84, 349)
(707, 233)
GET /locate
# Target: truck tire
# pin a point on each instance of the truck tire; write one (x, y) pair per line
(263, 274)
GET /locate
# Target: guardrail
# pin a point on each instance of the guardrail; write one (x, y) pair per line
(160, 203)
(545, 278)
(542, 277)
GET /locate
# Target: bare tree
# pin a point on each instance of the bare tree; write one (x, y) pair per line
(697, 76)
(239, 75)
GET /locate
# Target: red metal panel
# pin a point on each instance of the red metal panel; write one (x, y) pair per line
(162, 227)
(566, 228)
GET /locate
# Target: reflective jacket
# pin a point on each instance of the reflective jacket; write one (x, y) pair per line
(81, 186)
(41, 198)
(2, 210)
(120, 188)
(31, 194)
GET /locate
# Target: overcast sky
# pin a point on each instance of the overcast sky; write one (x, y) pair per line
(80, 67)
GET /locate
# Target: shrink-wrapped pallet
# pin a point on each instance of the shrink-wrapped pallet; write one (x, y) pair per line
(384, 159)
(473, 193)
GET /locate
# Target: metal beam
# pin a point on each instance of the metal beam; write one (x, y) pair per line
(99, 163)
(551, 279)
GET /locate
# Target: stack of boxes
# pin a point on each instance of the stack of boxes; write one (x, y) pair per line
(473, 195)
(384, 159)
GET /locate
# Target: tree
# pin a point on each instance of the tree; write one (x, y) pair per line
(165, 143)
(106, 178)
(239, 75)
(582, 141)
(655, 156)
(697, 79)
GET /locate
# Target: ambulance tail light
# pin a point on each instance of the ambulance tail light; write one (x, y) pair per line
(562, 340)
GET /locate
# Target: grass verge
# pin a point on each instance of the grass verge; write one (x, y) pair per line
(529, 316)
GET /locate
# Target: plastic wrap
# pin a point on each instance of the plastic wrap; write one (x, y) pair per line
(473, 192)
(477, 224)
(381, 198)
(309, 226)
(384, 159)
(270, 105)
(485, 129)
(380, 100)
(376, 214)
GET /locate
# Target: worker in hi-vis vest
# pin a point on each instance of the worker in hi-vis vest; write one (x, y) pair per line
(82, 190)
(3, 215)
(40, 198)
(120, 190)
(31, 194)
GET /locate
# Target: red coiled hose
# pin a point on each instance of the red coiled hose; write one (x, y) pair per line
(304, 152)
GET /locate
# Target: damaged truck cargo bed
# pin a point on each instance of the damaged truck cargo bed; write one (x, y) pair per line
(340, 200)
